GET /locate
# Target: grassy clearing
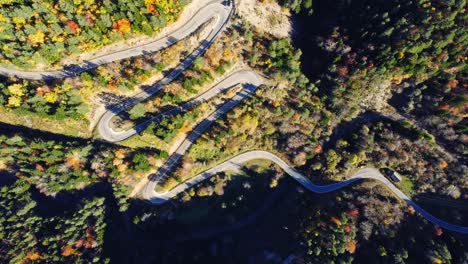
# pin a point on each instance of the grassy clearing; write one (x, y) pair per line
(172, 182)
(145, 140)
(194, 214)
(67, 126)
(259, 165)
(406, 185)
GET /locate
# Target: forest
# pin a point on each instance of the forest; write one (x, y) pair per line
(368, 60)
(387, 143)
(439, 105)
(390, 93)
(56, 165)
(38, 33)
(29, 236)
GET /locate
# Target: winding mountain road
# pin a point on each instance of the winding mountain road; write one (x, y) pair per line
(240, 77)
(214, 9)
(235, 163)
(251, 82)
(254, 81)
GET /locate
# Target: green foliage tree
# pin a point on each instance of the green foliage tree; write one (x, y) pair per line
(140, 163)
(137, 111)
(299, 6)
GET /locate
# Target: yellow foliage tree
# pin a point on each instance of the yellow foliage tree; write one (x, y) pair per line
(36, 38)
(51, 97)
(3, 165)
(14, 101)
(185, 128)
(248, 124)
(122, 167)
(19, 21)
(120, 153)
(16, 89)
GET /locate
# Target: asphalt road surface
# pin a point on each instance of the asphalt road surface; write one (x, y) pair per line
(235, 163)
(251, 82)
(247, 77)
(213, 10)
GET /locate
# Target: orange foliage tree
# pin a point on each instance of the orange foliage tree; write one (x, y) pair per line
(33, 256)
(73, 26)
(123, 26)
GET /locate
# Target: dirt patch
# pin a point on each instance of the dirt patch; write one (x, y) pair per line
(377, 100)
(267, 17)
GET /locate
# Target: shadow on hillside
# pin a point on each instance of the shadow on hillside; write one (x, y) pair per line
(308, 29)
(36, 133)
(158, 232)
(454, 211)
(11, 130)
(6, 178)
(119, 104)
(346, 126)
(118, 236)
(70, 70)
(163, 230)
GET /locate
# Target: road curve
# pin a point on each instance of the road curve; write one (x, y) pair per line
(236, 162)
(221, 13)
(251, 82)
(216, 10)
(247, 77)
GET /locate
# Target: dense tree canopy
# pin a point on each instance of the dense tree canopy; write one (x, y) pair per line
(43, 32)
(26, 236)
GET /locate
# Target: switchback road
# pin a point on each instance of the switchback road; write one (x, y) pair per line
(251, 81)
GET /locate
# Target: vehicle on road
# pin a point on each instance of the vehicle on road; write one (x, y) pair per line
(391, 174)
